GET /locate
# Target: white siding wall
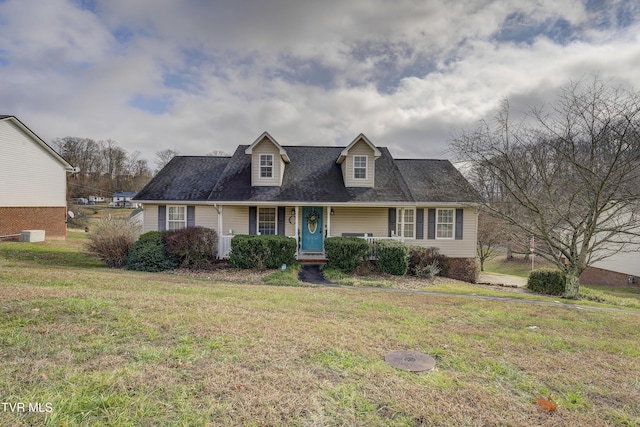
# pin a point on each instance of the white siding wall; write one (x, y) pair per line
(206, 216)
(361, 148)
(29, 175)
(150, 218)
(360, 220)
(465, 248)
(266, 147)
(236, 218)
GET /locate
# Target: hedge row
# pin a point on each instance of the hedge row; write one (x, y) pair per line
(193, 247)
(346, 253)
(262, 251)
(393, 257)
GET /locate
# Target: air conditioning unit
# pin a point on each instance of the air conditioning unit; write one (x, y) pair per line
(32, 236)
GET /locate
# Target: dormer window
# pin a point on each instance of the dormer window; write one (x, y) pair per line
(360, 167)
(266, 165)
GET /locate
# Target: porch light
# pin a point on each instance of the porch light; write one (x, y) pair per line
(332, 211)
(293, 211)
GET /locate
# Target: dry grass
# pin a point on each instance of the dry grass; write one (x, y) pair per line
(109, 347)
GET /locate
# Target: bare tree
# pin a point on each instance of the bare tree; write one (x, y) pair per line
(163, 157)
(568, 175)
(218, 153)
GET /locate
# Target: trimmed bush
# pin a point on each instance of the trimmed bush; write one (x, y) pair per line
(111, 239)
(262, 251)
(465, 269)
(149, 253)
(422, 260)
(392, 257)
(195, 246)
(346, 253)
(551, 282)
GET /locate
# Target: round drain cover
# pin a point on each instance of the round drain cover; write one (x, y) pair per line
(409, 360)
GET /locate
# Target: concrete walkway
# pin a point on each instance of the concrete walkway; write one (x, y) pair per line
(502, 280)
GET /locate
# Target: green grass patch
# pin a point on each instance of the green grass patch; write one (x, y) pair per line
(110, 347)
(340, 278)
(289, 277)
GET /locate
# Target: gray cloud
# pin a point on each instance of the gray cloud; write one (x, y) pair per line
(198, 75)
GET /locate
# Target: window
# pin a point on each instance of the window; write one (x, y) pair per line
(176, 217)
(360, 167)
(445, 223)
(266, 165)
(267, 220)
(405, 228)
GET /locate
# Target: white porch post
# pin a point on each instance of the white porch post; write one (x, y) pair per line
(296, 233)
(220, 231)
(402, 224)
(328, 221)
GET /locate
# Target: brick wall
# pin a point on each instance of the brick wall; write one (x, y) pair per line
(599, 276)
(51, 219)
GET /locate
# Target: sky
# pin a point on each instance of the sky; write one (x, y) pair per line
(204, 75)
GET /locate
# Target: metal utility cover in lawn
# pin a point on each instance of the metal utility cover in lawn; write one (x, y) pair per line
(409, 360)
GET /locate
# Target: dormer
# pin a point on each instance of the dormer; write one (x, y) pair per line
(268, 159)
(358, 163)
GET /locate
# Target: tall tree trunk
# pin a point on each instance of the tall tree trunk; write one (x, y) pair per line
(572, 284)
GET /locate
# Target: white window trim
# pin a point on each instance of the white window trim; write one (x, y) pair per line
(453, 228)
(400, 222)
(185, 216)
(366, 166)
(270, 156)
(275, 208)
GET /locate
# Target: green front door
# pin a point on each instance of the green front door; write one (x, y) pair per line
(312, 229)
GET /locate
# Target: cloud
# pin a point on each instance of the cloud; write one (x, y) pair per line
(199, 76)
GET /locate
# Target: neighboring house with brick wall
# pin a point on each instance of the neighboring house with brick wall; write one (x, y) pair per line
(312, 192)
(33, 182)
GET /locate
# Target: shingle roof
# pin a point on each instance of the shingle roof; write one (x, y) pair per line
(185, 178)
(435, 181)
(311, 176)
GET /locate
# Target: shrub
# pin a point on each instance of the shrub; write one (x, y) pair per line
(262, 251)
(465, 269)
(111, 240)
(194, 246)
(429, 271)
(346, 253)
(421, 258)
(392, 257)
(550, 282)
(149, 253)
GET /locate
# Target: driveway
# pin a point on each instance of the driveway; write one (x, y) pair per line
(502, 280)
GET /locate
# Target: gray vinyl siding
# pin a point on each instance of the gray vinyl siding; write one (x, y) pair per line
(31, 176)
(361, 148)
(266, 147)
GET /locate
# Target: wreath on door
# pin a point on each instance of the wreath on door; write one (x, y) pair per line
(312, 221)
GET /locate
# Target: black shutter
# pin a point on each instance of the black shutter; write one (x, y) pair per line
(253, 220)
(392, 221)
(419, 223)
(431, 224)
(459, 213)
(162, 217)
(191, 216)
(281, 218)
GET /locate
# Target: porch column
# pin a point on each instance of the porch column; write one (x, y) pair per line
(296, 233)
(402, 224)
(328, 221)
(220, 231)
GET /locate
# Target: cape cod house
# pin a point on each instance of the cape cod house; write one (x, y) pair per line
(312, 192)
(33, 182)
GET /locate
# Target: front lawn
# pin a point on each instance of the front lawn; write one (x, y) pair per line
(111, 347)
